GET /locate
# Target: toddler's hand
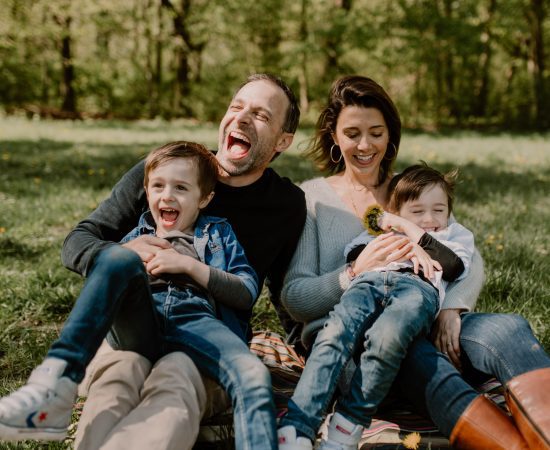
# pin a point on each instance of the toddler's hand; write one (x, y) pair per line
(147, 246)
(168, 261)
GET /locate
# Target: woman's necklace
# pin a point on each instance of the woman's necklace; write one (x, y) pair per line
(352, 191)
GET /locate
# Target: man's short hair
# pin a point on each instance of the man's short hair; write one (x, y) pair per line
(293, 112)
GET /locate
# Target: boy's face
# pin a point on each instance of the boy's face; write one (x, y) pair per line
(430, 211)
(174, 196)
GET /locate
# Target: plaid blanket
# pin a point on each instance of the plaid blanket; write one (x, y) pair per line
(393, 426)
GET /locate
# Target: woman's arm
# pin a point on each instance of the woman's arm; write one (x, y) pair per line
(307, 294)
(463, 294)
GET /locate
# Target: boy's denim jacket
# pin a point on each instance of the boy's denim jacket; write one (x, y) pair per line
(216, 246)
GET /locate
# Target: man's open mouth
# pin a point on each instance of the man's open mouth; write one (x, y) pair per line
(238, 144)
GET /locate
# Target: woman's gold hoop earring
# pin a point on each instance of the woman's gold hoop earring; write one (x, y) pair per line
(394, 155)
(335, 161)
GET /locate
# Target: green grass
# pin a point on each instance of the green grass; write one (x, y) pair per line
(52, 174)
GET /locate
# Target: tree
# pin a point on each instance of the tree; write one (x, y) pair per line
(63, 18)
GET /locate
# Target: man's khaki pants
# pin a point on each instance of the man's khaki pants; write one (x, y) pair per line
(131, 405)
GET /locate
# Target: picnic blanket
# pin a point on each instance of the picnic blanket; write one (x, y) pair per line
(394, 426)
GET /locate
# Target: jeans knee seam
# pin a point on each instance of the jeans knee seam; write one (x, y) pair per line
(492, 350)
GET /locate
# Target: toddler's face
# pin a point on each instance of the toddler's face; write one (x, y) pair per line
(430, 211)
(174, 195)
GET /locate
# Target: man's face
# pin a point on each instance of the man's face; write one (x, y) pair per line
(251, 131)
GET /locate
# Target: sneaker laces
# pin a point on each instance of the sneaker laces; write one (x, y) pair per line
(25, 397)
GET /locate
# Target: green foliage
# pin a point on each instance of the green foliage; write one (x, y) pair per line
(55, 173)
(448, 63)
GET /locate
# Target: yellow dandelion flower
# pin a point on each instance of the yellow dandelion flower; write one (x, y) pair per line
(500, 247)
(2, 230)
(411, 440)
(371, 218)
(37, 180)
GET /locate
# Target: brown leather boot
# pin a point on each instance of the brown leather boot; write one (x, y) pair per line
(528, 397)
(485, 426)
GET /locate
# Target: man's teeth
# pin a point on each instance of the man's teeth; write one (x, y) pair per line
(239, 136)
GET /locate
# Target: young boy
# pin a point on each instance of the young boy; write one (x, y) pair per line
(203, 275)
(389, 307)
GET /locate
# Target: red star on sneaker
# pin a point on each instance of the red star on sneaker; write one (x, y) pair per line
(42, 416)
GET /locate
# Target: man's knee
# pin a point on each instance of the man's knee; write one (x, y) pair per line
(176, 379)
(111, 366)
(176, 368)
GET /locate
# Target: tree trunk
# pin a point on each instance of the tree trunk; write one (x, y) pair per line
(480, 103)
(69, 95)
(302, 76)
(536, 15)
(333, 43)
(183, 53)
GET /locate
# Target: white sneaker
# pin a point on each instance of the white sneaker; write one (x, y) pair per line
(289, 441)
(342, 434)
(42, 408)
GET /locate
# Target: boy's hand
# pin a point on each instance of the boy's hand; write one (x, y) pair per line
(421, 260)
(391, 222)
(169, 261)
(147, 246)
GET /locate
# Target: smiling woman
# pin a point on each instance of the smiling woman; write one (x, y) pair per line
(362, 122)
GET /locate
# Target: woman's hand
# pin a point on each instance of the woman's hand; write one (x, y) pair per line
(446, 334)
(383, 250)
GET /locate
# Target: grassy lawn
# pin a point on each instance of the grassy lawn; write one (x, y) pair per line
(52, 174)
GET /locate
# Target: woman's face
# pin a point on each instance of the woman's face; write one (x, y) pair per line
(362, 135)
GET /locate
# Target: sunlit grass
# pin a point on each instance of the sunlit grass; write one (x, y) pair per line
(52, 174)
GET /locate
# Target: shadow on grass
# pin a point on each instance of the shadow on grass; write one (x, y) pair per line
(12, 248)
(61, 163)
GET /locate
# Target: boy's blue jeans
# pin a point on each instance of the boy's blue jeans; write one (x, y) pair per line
(499, 345)
(117, 294)
(384, 310)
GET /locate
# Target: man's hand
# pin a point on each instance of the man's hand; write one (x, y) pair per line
(147, 246)
(446, 334)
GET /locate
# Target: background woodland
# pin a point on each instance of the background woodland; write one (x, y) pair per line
(448, 63)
